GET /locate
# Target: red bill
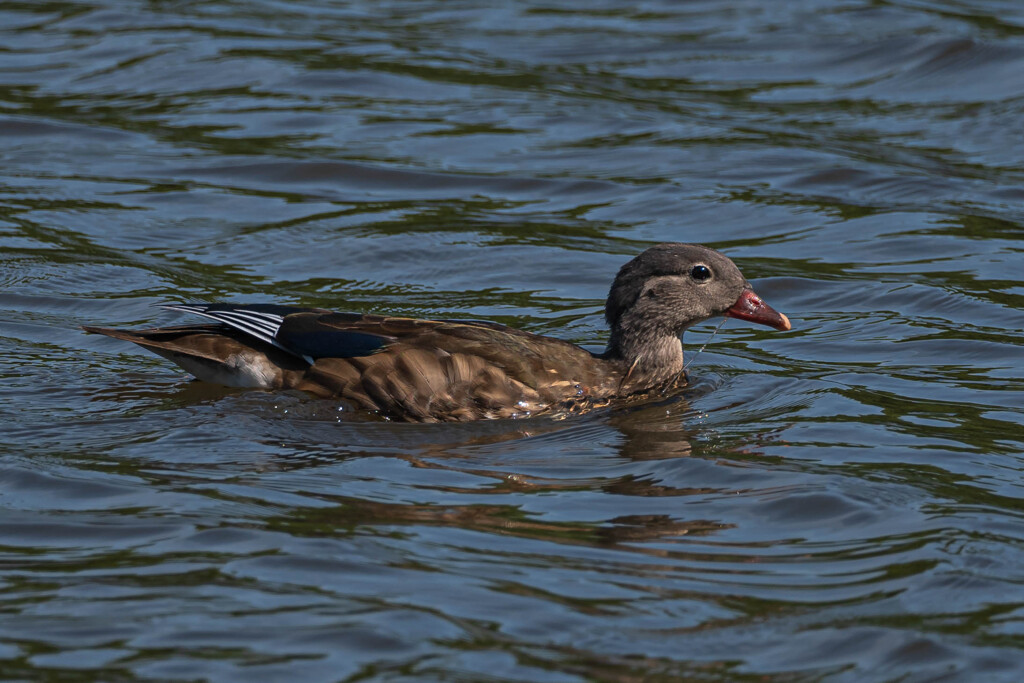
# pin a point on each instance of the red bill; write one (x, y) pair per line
(750, 307)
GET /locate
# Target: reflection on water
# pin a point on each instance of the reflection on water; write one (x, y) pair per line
(838, 503)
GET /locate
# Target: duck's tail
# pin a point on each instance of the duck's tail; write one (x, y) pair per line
(216, 353)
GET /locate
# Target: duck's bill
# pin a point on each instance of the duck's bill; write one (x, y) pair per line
(750, 307)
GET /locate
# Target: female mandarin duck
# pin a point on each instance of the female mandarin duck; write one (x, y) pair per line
(451, 370)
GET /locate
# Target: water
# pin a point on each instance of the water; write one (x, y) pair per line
(842, 502)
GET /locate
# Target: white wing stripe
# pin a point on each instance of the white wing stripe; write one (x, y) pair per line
(243, 317)
(247, 326)
(259, 334)
(273, 317)
(240, 319)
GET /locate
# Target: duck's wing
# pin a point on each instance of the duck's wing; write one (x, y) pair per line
(526, 357)
(313, 333)
(429, 370)
(261, 322)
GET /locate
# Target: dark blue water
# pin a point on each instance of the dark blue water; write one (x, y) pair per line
(839, 503)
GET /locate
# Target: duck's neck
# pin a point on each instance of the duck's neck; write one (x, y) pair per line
(648, 356)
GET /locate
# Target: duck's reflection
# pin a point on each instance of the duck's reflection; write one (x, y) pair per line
(607, 453)
(570, 458)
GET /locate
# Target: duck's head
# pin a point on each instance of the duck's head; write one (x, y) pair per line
(671, 286)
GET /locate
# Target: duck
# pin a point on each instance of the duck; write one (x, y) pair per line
(417, 370)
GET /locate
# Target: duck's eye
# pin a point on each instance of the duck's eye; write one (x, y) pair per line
(700, 273)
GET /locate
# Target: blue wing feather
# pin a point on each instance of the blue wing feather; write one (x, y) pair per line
(332, 343)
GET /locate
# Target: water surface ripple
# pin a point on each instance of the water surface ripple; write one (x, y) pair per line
(840, 503)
